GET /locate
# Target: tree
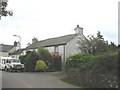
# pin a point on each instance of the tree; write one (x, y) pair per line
(44, 54)
(57, 62)
(84, 45)
(30, 61)
(112, 46)
(99, 36)
(93, 44)
(3, 11)
(22, 59)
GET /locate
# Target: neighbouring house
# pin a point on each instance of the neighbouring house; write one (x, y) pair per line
(5, 50)
(17, 53)
(21, 52)
(64, 45)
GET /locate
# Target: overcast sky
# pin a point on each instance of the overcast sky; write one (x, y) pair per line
(52, 18)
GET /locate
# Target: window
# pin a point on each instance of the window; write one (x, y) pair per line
(56, 49)
(3, 61)
(15, 61)
(7, 61)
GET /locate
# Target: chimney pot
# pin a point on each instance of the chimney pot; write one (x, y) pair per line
(77, 25)
(78, 30)
(34, 40)
(15, 43)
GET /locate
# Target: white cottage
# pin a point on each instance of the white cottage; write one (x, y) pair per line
(64, 45)
(17, 53)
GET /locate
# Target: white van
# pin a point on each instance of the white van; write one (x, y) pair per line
(3, 61)
(14, 65)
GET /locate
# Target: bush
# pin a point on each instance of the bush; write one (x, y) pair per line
(44, 54)
(100, 71)
(56, 62)
(30, 61)
(22, 59)
(105, 72)
(80, 61)
(40, 65)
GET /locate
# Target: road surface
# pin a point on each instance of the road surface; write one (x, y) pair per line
(33, 80)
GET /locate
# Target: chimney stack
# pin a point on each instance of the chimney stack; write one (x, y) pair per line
(34, 40)
(78, 30)
(15, 43)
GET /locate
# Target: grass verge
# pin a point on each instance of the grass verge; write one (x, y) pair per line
(67, 80)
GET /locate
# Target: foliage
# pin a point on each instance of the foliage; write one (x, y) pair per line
(53, 63)
(56, 62)
(106, 70)
(40, 65)
(98, 71)
(44, 54)
(22, 59)
(80, 61)
(3, 11)
(118, 46)
(93, 45)
(112, 46)
(30, 61)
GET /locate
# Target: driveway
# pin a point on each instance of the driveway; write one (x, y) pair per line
(33, 80)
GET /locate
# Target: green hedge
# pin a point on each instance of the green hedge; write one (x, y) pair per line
(80, 61)
(99, 71)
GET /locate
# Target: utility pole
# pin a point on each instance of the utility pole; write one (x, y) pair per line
(19, 43)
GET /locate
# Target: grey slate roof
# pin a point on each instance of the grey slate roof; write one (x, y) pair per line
(5, 48)
(52, 41)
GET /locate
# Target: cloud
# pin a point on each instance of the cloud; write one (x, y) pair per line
(50, 18)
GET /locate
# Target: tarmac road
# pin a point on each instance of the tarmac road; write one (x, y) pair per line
(33, 80)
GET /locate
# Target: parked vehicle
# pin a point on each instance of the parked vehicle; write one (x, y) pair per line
(14, 65)
(3, 61)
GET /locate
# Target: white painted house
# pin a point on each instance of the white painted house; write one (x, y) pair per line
(64, 45)
(17, 53)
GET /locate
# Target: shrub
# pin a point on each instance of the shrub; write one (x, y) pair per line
(22, 59)
(99, 71)
(40, 65)
(30, 61)
(105, 72)
(44, 54)
(56, 62)
(80, 61)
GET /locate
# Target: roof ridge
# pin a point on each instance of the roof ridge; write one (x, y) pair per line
(57, 37)
(53, 41)
(6, 45)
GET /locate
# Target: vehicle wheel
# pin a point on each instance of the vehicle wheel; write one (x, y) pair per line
(6, 69)
(10, 70)
(22, 70)
(3, 69)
